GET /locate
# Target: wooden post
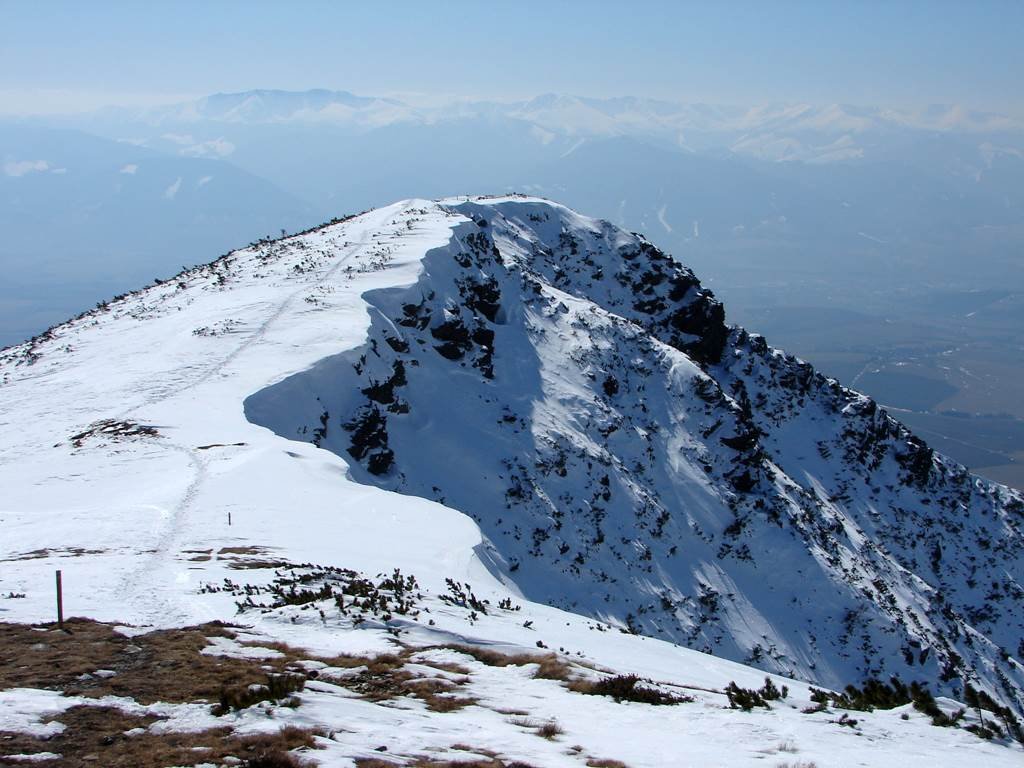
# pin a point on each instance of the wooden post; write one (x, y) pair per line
(229, 519)
(60, 603)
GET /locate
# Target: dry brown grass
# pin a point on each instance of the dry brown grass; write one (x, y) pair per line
(512, 712)
(549, 665)
(602, 763)
(626, 688)
(548, 729)
(95, 736)
(166, 665)
(445, 666)
(437, 694)
(247, 550)
(385, 677)
(251, 558)
(169, 666)
(249, 564)
(284, 649)
(494, 658)
(424, 762)
(38, 554)
(475, 750)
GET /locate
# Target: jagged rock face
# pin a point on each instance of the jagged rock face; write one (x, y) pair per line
(628, 456)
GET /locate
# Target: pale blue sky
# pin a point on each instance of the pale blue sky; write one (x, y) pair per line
(889, 53)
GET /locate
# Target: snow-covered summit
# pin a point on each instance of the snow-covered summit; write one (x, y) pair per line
(498, 391)
(629, 457)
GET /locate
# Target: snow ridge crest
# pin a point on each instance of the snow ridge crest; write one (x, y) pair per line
(630, 457)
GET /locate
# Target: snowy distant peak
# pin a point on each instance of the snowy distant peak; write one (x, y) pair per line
(261, 105)
(740, 127)
(841, 118)
(612, 106)
(274, 106)
(575, 115)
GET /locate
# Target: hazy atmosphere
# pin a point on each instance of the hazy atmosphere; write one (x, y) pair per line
(60, 56)
(693, 323)
(828, 169)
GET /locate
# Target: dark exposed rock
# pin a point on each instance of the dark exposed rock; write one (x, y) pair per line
(384, 392)
(414, 316)
(397, 344)
(483, 297)
(741, 442)
(455, 336)
(916, 459)
(369, 440)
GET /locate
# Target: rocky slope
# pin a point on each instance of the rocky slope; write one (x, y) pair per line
(399, 446)
(628, 456)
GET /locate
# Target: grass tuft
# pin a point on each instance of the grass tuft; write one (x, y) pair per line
(626, 688)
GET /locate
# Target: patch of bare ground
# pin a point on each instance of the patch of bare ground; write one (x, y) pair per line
(385, 677)
(626, 688)
(91, 659)
(249, 564)
(474, 750)
(103, 736)
(438, 694)
(38, 554)
(251, 558)
(423, 762)
(165, 665)
(550, 666)
(547, 729)
(450, 667)
(111, 429)
(246, 550)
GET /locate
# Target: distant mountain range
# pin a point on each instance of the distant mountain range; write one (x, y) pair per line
(575, 115)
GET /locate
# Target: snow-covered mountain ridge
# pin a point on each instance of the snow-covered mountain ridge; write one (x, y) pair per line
(617, 450)
(629, 457)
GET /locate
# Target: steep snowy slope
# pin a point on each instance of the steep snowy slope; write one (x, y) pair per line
(180, 358)
(567, 421)
(628, 457)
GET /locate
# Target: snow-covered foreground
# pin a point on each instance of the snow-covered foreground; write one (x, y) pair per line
(703, 732)
(510, 705)
(128, 463)
(117, 514)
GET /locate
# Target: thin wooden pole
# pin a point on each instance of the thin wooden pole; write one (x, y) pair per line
(60, 603)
